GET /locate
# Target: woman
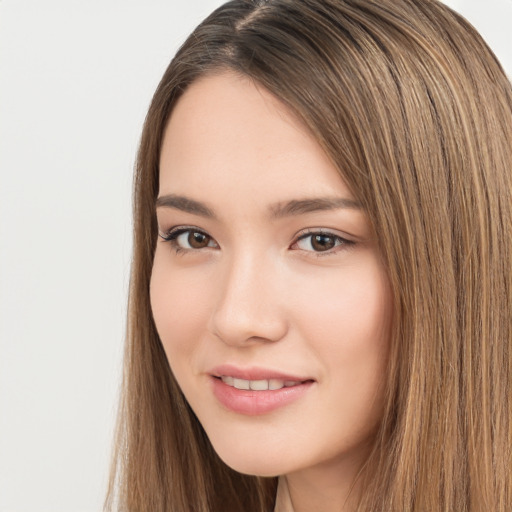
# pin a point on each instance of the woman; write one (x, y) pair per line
(321, 290)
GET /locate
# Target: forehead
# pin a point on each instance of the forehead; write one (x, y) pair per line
(229, 135)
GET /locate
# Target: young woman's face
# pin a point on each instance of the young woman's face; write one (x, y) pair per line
(267, 290)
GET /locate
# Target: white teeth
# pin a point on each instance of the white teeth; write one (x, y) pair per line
(275, 384)
(241, 384)
(228, 380)
(258, 385)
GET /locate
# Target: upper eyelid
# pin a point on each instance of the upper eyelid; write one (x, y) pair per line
(324, 231)
(304, 232)
(182, 228)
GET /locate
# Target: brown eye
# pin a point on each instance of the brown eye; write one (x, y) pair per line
(188, 239)
(322, 242)
(198, 240)
(318, 242)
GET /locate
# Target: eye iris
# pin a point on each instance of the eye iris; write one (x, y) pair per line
(322, 242)
(198, 240)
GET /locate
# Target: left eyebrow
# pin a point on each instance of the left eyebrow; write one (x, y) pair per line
(302, 206)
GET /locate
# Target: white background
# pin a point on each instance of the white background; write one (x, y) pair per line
(76, 78)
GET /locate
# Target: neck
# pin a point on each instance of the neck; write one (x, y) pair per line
(317, 489)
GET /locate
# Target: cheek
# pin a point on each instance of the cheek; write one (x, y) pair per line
(179, 304)
(347, 322)
(348, 312)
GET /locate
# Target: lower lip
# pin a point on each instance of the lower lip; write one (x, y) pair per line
(253, 403)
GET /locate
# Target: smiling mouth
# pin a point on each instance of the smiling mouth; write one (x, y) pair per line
(259, 385)
(256, 395)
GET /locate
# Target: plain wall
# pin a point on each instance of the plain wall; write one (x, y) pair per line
(76, 78)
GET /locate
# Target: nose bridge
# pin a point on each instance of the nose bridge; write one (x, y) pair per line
(248, 306)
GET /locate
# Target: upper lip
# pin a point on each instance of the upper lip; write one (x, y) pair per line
(254, 373)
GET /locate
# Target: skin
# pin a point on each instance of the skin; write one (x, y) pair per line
(258, 292)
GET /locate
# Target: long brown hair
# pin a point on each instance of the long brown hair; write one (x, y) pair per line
(416, 113)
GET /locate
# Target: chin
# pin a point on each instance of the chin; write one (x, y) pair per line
(254, 461)
(252, 467)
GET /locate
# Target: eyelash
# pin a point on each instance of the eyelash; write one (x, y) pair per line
(340, 242)
(171, 237)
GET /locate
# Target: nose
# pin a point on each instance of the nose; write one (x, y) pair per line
(250, 305)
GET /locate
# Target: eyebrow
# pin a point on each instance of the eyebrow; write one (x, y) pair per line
(278, 210)
(302, 206)
(184, 204)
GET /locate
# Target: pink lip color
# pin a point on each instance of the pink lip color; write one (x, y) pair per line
(253, 403)
(254, 373)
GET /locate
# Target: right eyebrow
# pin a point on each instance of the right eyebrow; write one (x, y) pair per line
(184, 204)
